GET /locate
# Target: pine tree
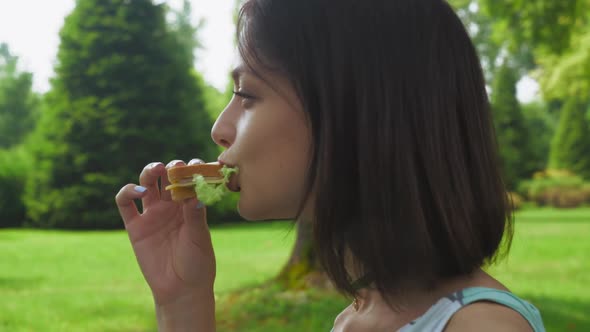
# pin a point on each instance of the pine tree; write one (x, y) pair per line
(123, 96)
(186, 31)
(570, 148)
(511, 129)
(541, 125)
(18, 103)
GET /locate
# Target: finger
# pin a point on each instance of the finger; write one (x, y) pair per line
(149, 179)
(195, 161)
(195, 217)
(125, 201)
(164, 182)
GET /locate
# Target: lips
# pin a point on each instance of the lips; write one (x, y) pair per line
(233, 184)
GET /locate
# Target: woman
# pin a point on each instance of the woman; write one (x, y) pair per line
(371, 120)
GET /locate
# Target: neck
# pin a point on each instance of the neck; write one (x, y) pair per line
(415, 301)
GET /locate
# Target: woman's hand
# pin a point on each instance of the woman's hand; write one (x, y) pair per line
(172, 243)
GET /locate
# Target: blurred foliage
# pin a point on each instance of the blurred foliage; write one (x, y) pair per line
(18, 103)
(548, 40)
(541, 128)
(570, 148)
(185, 31)
(567, 75)
(123, 96)
(558, 32)
(548, 25)
(557, 188)
(517, 201)
(15, 165)
(511, 128)
(492, 47)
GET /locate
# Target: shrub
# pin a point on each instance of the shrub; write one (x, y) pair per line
(570, 147)
(516, 200)
(15, 166)
(558, 188)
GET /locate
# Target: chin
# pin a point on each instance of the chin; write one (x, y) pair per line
(253, 211)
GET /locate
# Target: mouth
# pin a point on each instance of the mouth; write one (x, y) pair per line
(233, 184)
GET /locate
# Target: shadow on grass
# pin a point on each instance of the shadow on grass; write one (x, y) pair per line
(563, 314)
(20, 283)
(271, 308)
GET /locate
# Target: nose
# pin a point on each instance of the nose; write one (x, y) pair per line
(223, 132)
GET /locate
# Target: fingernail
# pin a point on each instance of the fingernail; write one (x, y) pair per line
(140, 189)
(152, 165)
(200, 205)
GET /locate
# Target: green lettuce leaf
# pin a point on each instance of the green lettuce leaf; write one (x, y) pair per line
(210, 193)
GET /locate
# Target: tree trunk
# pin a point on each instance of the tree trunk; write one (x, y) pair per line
(303, 268)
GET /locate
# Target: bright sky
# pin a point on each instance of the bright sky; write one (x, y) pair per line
(31, 27)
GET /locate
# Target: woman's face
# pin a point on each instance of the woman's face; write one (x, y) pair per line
(266, 134)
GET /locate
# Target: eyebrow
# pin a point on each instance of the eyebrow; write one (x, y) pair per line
(237, 72)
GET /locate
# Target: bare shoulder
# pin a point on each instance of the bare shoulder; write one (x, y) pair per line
(342, 319)
(487, 316)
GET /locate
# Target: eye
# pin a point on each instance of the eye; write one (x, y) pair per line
(246, 98)
(243, 95)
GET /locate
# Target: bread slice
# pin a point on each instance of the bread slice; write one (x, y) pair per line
(181, 178)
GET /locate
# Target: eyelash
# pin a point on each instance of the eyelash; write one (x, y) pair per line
(243, 95)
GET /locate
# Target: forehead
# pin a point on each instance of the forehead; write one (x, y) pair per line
(273, 79)
(253, 69)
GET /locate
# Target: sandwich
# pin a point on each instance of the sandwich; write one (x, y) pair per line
(208, 182)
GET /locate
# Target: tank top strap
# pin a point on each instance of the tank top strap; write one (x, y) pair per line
(438, 316)
(524, 308)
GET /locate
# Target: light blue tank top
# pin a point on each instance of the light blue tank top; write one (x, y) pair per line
(437, 317)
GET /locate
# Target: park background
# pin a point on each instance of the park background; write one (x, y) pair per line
(132, 83)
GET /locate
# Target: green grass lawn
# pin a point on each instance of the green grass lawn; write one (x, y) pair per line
(69, 281)
(549, 265)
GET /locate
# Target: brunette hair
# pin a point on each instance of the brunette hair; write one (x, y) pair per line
(404, 167)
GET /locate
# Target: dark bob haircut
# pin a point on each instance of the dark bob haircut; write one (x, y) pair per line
(404, 163)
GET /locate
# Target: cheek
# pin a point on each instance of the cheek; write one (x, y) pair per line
(274, 153)
(273, 184)
(272, 191)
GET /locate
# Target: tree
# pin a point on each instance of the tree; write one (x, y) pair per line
(123, 96)
(18, 103)
(479, 25)
(492, 47)
(511, 129)
(303, 268)
(567, 75)
(558, 33)
(570, 148)
(541, 128)
(547, 25)
(186, 31)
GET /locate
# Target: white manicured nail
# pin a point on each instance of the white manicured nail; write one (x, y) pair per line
(140, 189)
